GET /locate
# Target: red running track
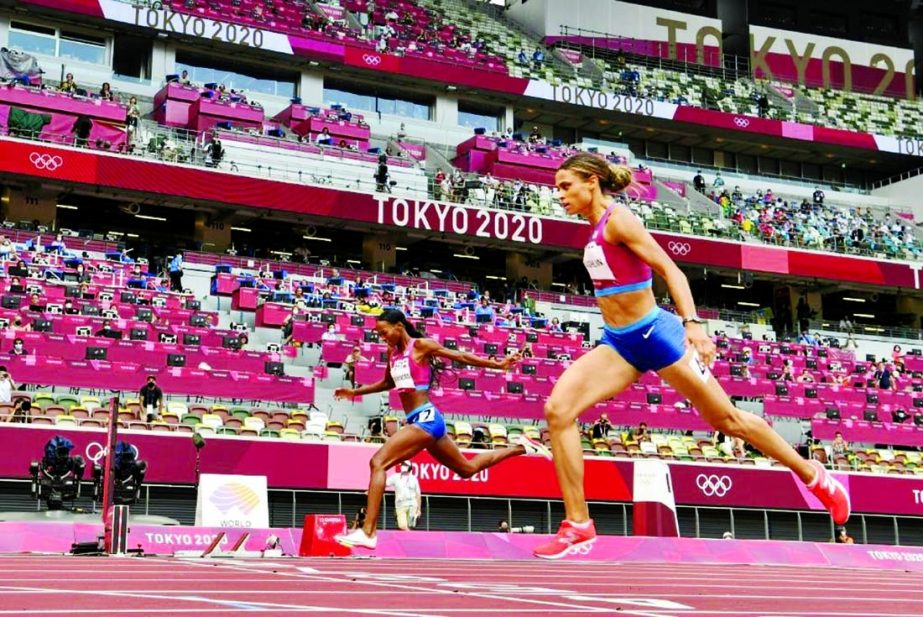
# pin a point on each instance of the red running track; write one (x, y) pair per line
(101, 586)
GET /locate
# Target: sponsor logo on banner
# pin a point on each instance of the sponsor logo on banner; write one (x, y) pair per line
(679, 248)
(713, 485)
(742, 122)
(46, 162)
(232, 501)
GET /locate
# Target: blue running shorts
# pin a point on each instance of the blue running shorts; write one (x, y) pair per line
(428, 418)
(655, 341)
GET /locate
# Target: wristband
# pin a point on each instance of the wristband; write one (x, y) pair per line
(692, 319)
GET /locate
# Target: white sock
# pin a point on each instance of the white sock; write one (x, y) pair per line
(583, 525)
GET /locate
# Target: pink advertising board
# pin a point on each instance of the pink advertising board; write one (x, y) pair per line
(306, 465)
(114, 171)
(167, 540)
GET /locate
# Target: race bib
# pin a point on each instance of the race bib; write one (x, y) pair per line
(400, 374)
(594, 260)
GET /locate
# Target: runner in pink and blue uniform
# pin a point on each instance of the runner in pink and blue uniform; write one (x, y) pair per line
(639, 336)
(413, 367)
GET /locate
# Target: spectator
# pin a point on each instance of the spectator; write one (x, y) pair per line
(747, 356)
(349, 364)
(601, 427)
(22, 412)
(521, 58)
(844, 538)
(359, 519)
(108, 331)
(538, 58)
(214, 151)
(850, 342)
(175, 268)
(762, 105)
(698, 182)
(151, 398)
(897, 355)
(641, 433)
(408, 501)
(806, 377)
(884, 376)
(184, 78)
(35, 303)
(839, 445)
(68, 85)
(555, 325)
(134, 115)
(7, 385)
(846, 325)
(324, 137)
(484, 312)
(330, 334)
(19, 348)
(503, 526)
(382, 176)
(105, 92)
(719, 181)
(727, 535)
(535, 137)
(733, 447)
(818, 196)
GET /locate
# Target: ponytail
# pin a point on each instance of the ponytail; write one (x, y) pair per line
(612, 178)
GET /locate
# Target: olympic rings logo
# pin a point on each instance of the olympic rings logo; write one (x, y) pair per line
(714, 486)
(742, 122)
(679, 248)
(96, 451)
(46, 161)
(371, 59)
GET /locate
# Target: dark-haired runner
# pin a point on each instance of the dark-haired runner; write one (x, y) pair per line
(412, 369)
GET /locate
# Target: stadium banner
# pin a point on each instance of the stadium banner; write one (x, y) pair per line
(180, 181)
(826, 62)
(232, 500)
(627, 26)
(168, 21)
(303, 465)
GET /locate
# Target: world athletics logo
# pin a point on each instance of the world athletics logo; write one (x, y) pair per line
(234, 495)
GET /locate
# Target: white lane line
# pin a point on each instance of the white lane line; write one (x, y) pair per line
(404, 585)
(225, 604)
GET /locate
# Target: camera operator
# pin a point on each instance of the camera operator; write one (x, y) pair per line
(21, 413)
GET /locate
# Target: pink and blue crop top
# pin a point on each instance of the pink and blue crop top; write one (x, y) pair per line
(406, 374)
(614, 268)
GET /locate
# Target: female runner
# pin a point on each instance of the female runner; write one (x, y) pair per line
(639, 336)
(411, 370)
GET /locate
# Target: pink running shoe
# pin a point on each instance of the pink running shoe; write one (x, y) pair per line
(570, 540)
(831, 493)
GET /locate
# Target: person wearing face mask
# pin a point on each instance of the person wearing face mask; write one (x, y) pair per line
(408, 501)
(330, 334)
(69, 308)
(19, 348)
(151, 398)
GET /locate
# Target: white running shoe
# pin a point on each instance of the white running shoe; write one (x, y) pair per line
(357, 539)
(532, 446)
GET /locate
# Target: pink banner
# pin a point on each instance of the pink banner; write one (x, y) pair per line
(153, 177)
(16, 537)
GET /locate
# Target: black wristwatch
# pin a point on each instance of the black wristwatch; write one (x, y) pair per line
(693, 319)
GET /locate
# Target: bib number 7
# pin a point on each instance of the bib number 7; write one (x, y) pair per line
(427, 415)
